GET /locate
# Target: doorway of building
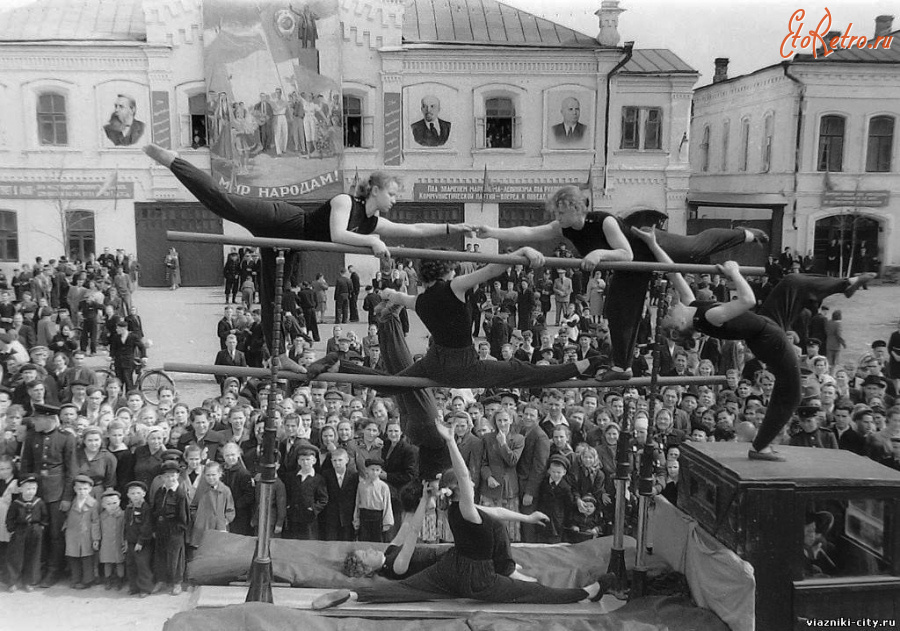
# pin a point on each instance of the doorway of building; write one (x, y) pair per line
(847, 244)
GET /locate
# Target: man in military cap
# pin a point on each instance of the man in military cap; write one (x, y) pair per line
(810, 434)
(49, 454)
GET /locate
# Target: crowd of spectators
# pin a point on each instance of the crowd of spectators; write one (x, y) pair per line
(156, 478)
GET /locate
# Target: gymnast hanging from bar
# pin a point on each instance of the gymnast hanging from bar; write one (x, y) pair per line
(348, 219)
(599, 236)
(469, 569)
(451, 359)
(762, 329)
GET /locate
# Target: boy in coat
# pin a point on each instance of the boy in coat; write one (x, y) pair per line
(26, 520)
(138, 535)
(82, 533)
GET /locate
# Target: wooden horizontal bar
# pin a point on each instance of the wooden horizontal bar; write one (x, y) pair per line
(419, 382)
(446, 255)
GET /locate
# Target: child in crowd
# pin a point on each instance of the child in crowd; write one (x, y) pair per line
(212, 507)
(112, 524)
(171, 515)
(307, 495)
(555, 499)
(82, 530)
(26, 520)
(585, 523)
(561, 445)
(373, 515)
(138, 536)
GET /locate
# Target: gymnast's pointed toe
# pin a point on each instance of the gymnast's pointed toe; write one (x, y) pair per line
(858, 282)
(330, 363)
(767, 456)
(331, 599)
(613, 374)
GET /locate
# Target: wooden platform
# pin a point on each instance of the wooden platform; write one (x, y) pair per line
(300, 598)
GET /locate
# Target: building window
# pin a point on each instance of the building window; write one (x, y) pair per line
(9, 236)
(197, 109)
(353, 121)
(704, 150)
(641, 128)
(499, 123)
(726, 129)
(831, 143)
(767, 144)
(881, 141)
(81, 236)
(745, 143)
(51, 118)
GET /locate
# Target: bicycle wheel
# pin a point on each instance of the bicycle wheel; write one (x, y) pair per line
(151, 381)
(102, 376)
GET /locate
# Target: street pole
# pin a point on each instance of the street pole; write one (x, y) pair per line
(261, 568)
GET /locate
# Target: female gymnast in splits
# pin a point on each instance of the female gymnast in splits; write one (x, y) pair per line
(451, 359)
(403, 558)
(763, 330)
(600, 236)
(468, 569)
(351, 220)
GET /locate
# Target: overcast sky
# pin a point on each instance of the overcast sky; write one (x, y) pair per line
(698, 31)
(748, 32)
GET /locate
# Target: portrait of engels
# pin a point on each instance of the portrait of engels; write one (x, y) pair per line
(431, 130)
(123, 129)
(569, 130)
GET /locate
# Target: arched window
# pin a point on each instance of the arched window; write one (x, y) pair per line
(745, 143)
(831, 143)
(81, 236)
(704, 150)
(726, 129)
(881, 143)
(500, 123)
(767, 143)
(51, 119)
(9, 236)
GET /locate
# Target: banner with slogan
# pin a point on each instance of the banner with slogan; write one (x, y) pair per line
(273, 103)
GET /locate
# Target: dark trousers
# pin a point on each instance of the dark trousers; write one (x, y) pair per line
(771, 345)
(454, 576)
(354, 307)
(626, 290)
(89, 336)
(81, 569)
(169, 557)
(304, 531)
(24, 555)
(342, 309)
(371, 525)
(312, 324)
(263, 218)
(56, 541)
(138, 569)
(232, 285)
(125, 374)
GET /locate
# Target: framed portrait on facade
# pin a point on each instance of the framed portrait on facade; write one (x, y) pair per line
(429, 109)
(569, 117)
(123, 114)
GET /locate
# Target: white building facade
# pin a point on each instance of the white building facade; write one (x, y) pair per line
(502, 89)
(810, 146)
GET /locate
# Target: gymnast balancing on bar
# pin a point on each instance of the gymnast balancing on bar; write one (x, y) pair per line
(351, 220)
(468, 569)
(763, 330)
(451, 359)
(600, 236)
